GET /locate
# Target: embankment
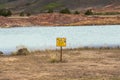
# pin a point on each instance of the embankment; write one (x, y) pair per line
(56, 19)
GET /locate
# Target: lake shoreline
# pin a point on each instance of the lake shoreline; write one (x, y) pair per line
(14, 52)
(58, 20)
(45, 37)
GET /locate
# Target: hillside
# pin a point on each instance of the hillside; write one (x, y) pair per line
(37, 6)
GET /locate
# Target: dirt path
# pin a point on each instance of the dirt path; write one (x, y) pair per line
(77, 65)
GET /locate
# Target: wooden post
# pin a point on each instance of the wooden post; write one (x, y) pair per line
(61, 54)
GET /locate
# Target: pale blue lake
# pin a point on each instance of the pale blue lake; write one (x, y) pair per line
(45, 37)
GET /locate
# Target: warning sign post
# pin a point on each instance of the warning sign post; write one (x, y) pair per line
(61, 42)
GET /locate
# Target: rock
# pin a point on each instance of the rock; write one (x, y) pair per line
(1, 53)
(23, 51)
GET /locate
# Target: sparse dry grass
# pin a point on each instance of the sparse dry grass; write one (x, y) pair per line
(79, 64)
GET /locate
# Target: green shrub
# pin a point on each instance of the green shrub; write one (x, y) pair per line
(5, 12)
(25, 14)
(65, 11)
(76, 12)
(51, 5)
(50, 11)
(28, 14)
(107, 13)
(9, 13)
(89, 12)
(22, 14)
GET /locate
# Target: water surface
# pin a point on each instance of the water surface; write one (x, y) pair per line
(45, 37)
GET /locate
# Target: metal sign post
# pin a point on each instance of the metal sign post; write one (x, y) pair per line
(61, 42)
(60, 54)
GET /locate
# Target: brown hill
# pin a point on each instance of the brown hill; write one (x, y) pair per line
(37, 6)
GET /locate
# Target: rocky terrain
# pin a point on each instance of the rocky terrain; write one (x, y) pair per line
(57, 19)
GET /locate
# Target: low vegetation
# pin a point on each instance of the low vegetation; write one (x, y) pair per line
(51, 6)
(2, 6)
(35, 7)
(5, 12)
(24, 14)
(65, 11)
(89, 12)
(28, 14)
(53, 58)
(50, 11)
(106, 13)
(87, 64)
(76, 12)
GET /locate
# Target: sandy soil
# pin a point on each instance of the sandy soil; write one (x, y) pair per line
(56, 19)
(77, 65)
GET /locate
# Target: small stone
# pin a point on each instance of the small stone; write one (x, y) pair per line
(1, 53)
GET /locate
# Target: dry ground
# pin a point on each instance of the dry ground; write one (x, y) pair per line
(56, 19)
(78, 65)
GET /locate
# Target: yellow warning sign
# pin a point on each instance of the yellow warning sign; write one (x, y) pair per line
(61, 42)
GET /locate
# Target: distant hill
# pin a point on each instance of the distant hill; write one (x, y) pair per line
(36, 6)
